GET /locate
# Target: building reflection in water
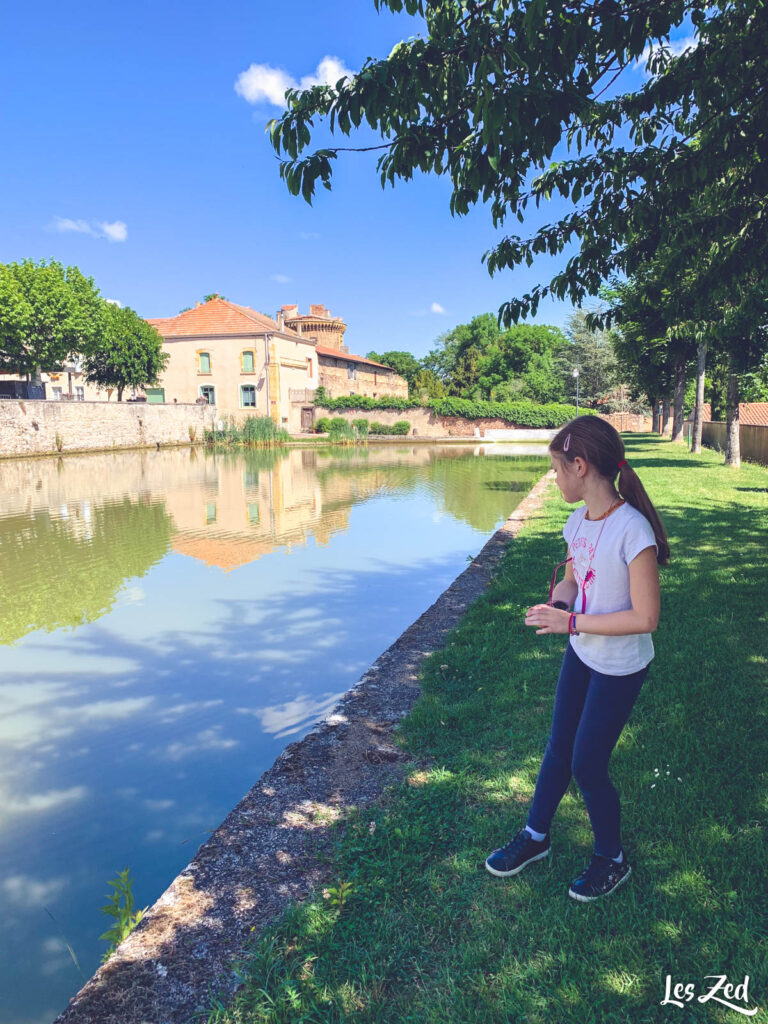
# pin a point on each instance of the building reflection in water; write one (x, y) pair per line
(73, 530)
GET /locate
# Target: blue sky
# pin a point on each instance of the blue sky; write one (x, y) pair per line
(129, 152)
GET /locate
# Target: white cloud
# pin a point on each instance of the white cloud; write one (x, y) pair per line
(39, 803)
(208, 739)
(676, 47)
(28, 893)
(329, 71)
(114, 231)
(281, 279)
(67, 224)
(309, 235)
(262, 83)
(115, 302)
(436, 308)
(117, 231)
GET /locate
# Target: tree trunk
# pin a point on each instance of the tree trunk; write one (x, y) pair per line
(677, 429)
(667, 427)
(698, 409)
(655, 414)
(120, 394)
(37, 377)
(732, 443)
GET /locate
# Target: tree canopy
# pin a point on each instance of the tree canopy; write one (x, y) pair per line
(404, 363)
(48, 314)
(492, 90)
(127, 352)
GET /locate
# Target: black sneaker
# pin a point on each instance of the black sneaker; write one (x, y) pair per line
(522, 849)
(600, 879)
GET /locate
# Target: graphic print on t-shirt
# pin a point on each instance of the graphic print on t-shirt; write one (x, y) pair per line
(583, 552)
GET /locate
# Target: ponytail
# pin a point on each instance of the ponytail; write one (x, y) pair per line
(598, 443)
(631, 489)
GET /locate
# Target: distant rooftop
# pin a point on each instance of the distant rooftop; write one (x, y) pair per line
(215, 317)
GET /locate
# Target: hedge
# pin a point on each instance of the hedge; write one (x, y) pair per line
(401, 427)
(523, 414)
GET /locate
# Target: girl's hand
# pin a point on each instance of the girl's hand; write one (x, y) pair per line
(552, 620)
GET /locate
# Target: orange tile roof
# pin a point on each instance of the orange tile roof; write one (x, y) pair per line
(217, 317)
(751, 414)
(323, 350)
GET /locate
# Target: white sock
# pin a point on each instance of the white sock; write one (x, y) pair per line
(620, 858)
(538, 836)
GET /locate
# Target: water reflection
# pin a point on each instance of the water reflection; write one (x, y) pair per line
(194, 650)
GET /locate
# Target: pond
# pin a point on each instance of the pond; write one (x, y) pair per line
(169, 622)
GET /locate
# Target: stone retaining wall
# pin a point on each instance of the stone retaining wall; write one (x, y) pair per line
(45, 427)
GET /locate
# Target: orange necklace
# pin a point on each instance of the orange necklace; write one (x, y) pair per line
(605, 514)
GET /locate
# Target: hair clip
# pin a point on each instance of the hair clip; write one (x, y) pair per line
(567, 442)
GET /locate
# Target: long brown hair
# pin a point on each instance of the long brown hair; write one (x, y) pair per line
(598, 443)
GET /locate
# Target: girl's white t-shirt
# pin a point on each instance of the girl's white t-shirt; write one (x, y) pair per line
(626, 532)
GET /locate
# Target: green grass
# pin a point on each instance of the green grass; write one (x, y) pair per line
(427, 935)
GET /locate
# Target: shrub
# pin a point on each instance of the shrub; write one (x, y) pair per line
(262, 432)
(255, 432)
(401, 427)
(364, 402)
(361, 426)
(322, 425)
(341, 432)
(522, 413)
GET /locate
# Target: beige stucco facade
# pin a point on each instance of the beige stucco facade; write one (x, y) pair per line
(247, 375)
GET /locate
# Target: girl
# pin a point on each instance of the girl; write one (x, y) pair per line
(616, 542)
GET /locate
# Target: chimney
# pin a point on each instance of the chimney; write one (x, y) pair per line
(280, 320)
(318, 310)
(196, 305)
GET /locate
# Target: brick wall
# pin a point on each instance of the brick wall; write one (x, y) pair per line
(629, 421)
(42, 428)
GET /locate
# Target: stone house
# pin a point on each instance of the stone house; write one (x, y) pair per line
(237, 359)
(244, 362)
(341, 372)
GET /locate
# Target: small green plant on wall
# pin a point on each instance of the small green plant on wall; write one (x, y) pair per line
(120, 907)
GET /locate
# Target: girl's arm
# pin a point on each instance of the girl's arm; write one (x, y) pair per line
(643, 617)
(568, 589)
(644, 592)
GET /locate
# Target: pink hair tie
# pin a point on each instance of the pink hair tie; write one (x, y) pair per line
(623, 463)
(567, 442)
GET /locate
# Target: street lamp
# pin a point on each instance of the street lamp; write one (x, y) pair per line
(576, 375)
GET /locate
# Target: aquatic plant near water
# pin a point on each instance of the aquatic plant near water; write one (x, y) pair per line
(120, 907)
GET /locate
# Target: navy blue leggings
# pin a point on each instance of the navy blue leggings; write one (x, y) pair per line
(591, 709)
